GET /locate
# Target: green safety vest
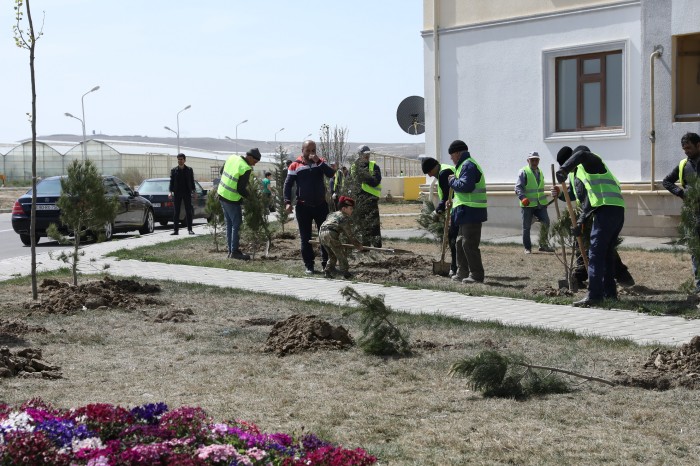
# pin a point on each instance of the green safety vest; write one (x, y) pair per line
(476, 198)
(234, 168)
(338, 176)
(534, 191)
(602, 189)
(572, 183)
(375, 191)
(681, 169)
(443, 167)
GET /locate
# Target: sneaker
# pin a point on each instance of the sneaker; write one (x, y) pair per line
(451, 273)
(527, 251)
(545, 249)
(309, 271)
(470, 280)
(457, 278)
(190, 232)
(174, 233)
(237, 254)
(587, 302)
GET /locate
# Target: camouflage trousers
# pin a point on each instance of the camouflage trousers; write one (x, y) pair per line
(336, 252)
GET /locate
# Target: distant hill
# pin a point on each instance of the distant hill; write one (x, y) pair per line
(225, 145)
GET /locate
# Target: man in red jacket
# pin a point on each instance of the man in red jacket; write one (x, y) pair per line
(306, 174)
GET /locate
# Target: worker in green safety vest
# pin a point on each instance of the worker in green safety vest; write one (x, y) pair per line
(468, 212)
(533, 201)
(368, 176)
(686, 172)
(601, 198)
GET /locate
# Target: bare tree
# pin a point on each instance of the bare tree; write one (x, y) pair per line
(334, 144)
(26, 39)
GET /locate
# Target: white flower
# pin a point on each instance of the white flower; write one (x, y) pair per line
(17, 421)
(91, 443)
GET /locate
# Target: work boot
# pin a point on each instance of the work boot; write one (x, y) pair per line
(237, 254)
(190, 232)
(174, 233)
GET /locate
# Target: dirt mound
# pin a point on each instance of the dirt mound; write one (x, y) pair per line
(551, 291)
(27, 362)
(17, 328)
(64, 298)
(306, 333)
(399, 269)
(175, 315)
(666, 369)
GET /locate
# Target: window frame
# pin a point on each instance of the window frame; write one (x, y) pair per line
(550, 60)
(679, 65)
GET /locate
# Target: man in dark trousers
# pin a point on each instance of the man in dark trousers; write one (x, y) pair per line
(601, 197)
(182, 190)
(468, 212)
(306, 175)
(685, 173)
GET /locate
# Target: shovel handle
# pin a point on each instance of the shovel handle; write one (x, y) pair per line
(579, 238)
(446, 230)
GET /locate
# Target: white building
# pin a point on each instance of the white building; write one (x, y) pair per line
(515, 76)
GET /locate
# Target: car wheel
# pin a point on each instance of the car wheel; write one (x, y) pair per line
(108, 231)
(163, 223)
(148, 224)
(27, 240)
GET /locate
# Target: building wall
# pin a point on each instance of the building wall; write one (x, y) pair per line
(661, 21)
(493, 94)
(454, 13)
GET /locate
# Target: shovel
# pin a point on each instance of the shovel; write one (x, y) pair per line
(369, 248)
(441, 267)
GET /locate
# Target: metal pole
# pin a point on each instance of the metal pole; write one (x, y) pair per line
(178, 127)
(82, 103)
(239, 124)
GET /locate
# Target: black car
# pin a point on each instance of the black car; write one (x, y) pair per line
(156, 190)
(134, 212)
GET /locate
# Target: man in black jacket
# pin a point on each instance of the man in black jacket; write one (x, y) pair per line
(181, 190)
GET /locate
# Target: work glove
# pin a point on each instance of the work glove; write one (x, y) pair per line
(561, 175)
(577, 230)
(525, 201)
(555, 191)
(335, 196)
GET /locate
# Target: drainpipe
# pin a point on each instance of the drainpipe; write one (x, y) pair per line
(658, 50)
(436, 72)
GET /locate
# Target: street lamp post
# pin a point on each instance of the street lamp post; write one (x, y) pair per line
(239, 124)
(280, 130)
(82, 123)
(178, 127)
(82, 103)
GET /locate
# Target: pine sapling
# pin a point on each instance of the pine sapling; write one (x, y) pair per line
(215, 216)
(380, 337)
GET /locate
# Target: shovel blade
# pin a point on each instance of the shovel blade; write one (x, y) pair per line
(441, 268)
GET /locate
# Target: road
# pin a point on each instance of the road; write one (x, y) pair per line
(11, 246)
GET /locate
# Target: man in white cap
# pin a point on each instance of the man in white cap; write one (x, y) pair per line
(533, 201)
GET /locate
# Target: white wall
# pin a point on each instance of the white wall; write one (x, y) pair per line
(492, 93)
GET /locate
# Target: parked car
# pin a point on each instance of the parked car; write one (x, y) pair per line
(156, 190)
(134, 212)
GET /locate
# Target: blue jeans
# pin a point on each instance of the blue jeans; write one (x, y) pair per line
(607, 224)
(234, 217)
(527, 214)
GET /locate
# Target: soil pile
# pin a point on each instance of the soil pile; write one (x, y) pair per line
(17, 328)
(175, 315)
(666, 369)
(27, 362)
(64, 298)
(306, 333)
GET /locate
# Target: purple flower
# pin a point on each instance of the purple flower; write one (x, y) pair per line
(150, 413)
(62, 432)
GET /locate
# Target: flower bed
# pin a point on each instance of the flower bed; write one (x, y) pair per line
(104, 434)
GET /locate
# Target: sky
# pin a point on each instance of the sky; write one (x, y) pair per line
(277, 63)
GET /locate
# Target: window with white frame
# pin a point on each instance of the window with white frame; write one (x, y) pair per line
(585, 89)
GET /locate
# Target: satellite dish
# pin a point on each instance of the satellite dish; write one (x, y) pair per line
(411, 115)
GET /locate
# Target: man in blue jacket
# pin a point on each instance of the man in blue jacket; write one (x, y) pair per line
(468, 212)
(306, 174)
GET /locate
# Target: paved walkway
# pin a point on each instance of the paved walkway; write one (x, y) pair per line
(641, 328)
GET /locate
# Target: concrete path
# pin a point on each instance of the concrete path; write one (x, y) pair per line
(640, 328)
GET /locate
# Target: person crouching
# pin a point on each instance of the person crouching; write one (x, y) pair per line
(329, 236)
